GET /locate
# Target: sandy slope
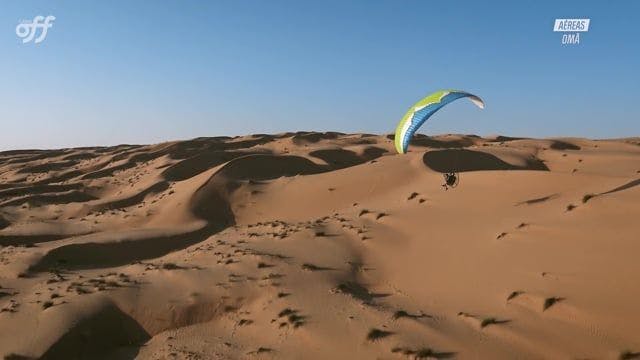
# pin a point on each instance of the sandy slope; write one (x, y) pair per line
(322, 245)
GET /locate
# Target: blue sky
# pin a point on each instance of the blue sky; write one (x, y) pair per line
(113, 72)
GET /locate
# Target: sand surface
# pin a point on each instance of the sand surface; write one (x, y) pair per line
(322, 246)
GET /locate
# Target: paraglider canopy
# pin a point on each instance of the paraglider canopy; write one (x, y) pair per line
(422, 110)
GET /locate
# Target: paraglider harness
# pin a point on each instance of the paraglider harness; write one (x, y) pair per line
(451, 180)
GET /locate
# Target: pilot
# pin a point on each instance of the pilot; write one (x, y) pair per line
(450, 180)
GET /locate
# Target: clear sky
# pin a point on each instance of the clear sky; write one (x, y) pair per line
(113, 72)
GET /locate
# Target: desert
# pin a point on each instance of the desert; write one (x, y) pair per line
(322, 245)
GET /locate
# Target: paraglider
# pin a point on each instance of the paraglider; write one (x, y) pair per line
(422, 110)
(450, 180)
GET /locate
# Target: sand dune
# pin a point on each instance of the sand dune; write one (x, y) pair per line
(322, 245)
